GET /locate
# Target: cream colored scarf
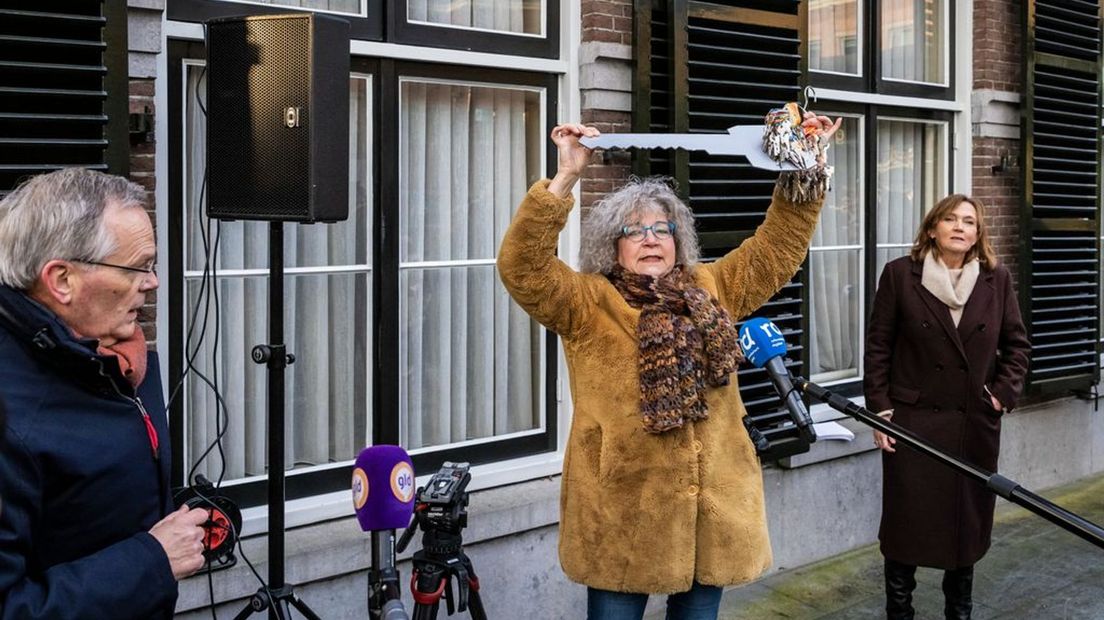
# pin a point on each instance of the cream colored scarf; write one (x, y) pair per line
(938, 279)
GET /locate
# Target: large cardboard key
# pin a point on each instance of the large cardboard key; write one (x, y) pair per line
(745, 140)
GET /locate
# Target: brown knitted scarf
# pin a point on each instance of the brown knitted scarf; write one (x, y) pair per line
(687, 340)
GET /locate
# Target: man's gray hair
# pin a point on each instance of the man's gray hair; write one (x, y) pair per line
(602, 227)
(59, 216)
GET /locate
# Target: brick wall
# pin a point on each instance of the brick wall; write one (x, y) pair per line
(1000, 192)
(608, 21)
(608, 169)
(998, 65)
(998, 61)
(142, 172)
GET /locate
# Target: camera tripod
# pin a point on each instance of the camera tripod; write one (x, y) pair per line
(441, 512)
(439, 561)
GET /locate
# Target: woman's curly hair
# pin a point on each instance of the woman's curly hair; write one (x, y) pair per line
(602, 226)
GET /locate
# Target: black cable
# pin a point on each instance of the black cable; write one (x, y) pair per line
(220, 404)
(190, 355)
(209, 282)
(211, 589)
(221, 421)
(241, 552)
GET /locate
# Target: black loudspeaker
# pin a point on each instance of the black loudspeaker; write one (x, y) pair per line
(278, 118)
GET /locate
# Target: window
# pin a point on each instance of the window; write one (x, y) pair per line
(834, 36)
(513, 16)
(892, 159)
(836, 264)
(328, 300)
(403, 333)
(471, 359)
(516, 27)
(349, 7)
(912, 177)
(913, 44)
(893, 47)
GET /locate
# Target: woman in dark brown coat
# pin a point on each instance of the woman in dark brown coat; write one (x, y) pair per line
(946, 356)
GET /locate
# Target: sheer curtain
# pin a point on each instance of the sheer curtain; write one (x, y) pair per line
(835, 263)
(326, 318)
(515, 16)
(469, 357)
(912, 177)
(913, 40)
(834, 35)
(337, 6)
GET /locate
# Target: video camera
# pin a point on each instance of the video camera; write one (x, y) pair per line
(441, 509)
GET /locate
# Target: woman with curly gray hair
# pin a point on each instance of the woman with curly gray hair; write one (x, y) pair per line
(661, 491)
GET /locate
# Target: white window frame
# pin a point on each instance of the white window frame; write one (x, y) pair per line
(943, 28)
(190, 275)
(327, 506)
(860, 39)
(947, 166)
(542, 352)
(835, 377)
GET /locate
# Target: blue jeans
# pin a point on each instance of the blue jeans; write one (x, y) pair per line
(698, 603)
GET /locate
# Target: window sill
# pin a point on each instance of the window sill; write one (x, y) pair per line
(337, 505)
(338, 546)
(828, 450)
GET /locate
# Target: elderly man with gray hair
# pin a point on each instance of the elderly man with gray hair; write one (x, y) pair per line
(87, 528)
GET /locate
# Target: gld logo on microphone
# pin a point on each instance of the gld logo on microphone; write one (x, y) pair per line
(360, 488)
(402, 482)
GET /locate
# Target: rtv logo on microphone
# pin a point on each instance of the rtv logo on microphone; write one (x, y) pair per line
(761, 340)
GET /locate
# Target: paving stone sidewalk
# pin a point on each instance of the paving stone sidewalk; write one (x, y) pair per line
(1034, 570)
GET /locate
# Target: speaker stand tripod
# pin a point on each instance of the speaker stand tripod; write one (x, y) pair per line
(277, 597)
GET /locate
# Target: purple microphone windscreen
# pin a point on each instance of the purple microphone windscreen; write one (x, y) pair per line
(383, 488)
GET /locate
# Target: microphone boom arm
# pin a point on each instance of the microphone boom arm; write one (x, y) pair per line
(996, 483)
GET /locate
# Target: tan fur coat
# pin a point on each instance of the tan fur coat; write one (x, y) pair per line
(641, 512)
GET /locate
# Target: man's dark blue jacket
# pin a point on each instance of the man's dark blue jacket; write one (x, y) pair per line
(80, 483)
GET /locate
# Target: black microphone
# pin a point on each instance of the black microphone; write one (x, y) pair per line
(765, 347)
(383, 497)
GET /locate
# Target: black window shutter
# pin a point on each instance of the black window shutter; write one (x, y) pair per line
(701, 68)
(1060, 276)
(63, 87)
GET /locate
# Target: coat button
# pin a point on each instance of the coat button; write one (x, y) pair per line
(962, 410)
(981, 327)
(935, 409)
(925, 324)
(939, 366)
(696, 445)
(692, 490)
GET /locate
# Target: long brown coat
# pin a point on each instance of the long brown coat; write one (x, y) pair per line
(933, 375)
(642, 512)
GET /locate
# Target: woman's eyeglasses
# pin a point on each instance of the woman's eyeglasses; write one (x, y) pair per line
(635, 232)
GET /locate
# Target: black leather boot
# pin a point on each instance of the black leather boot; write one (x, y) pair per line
(958, 587)
(900, 581)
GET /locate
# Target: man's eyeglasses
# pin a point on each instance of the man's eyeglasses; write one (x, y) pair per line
(635, 232)
(148, 268)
